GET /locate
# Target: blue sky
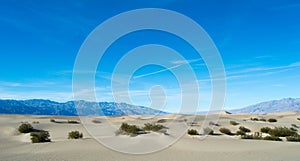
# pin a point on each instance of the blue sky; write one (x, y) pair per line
(258, 42)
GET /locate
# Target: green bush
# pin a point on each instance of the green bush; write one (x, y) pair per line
(256, 136)
(264, 120)
(25, 128)
(282, 132)
(265, 129)
(153, 127)
(244, 129)
(192, 132)
(52, 120)
(208, 131)
(293, 129)
(233, 123)
(75, 135)
(225, 131)
(129, 129)
(240, 132)
(254, 119)
(272, 138)
(40, 137)
(298, 119)
(294, 125)
(272, 120)
(295, 138)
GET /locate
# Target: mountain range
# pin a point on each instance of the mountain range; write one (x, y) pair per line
(85, 108)
(282, 105)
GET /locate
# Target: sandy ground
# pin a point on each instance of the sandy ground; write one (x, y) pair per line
(17, 147)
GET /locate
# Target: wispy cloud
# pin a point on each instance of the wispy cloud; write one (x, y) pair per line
(178, 63)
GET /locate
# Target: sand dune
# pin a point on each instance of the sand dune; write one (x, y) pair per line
(15, 146)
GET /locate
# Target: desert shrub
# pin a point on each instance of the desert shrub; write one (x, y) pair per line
(264, 120)
(75, 135)
(272, 120)
(244, 129)
(295, 138)
(298, 119)
(293, 129)
(25, 128)
(129, 129)
(208, 131)
(192, 132)
(213, 124)
(96, 121)
(233, 123)
(40, 137)
(153, 127)
(162, 121)
(35, 122)
(240, 132)
(256, 136)
(272, 138)
(73, 122)
(282, 132)
(225, 131)
(294, 125)
(265, 129)
(52, 120)
(254, 119)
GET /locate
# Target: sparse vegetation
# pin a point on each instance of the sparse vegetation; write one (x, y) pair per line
(272, 120)
(262, 119)
(254, 119)
(192, 132)
(213, 124)
(293, 129)
(295, 138)
(153, 127)
(162, 121)
(25, 128)
(244, 129)
(40, 137)
(294, 125)
(298, 119)
(256, 136)
(240, 132)
(96, 121)
(35, 122)
(282, 132)
(73, 122)
(75, 135)
(208, 131)
(127, 129)
(272, 138)
(52, 120)
(233, 123)
(265, 129)
(225, 131)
